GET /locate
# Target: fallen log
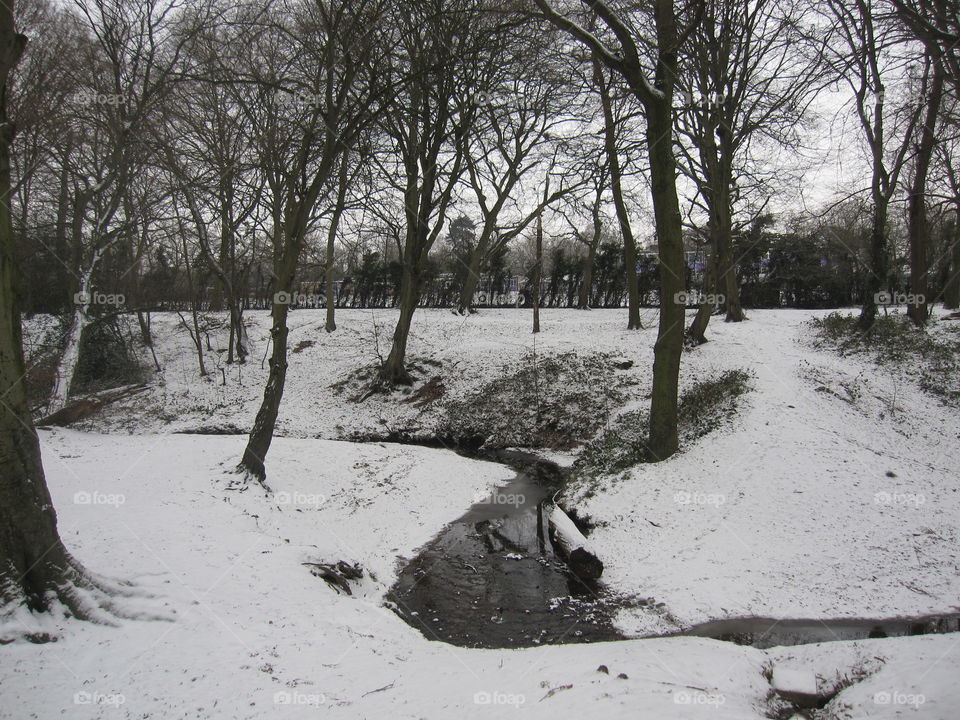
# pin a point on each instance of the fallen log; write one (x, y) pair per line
(571, 545)
(85, 407)
(337, 575)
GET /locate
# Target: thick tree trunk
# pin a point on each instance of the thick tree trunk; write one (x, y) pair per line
(394, 370)
(663, 440)
(878, 272)
(572, 546)
(35, 568)
(471, 278)
(727, 265)
(917, 223)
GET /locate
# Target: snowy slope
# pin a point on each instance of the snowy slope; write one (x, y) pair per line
(812, 503)
(255, 635)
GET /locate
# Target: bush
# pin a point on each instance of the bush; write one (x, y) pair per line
(702, 408)
(895, 339)
(557, 401)
(105, 359)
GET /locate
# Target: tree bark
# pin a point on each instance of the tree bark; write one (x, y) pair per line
(663, 440)
(698, 328)
(261, 435)
(951, 289)
(917, 223)
(879, 270)
(616, 188)
(35, 568)
(394, 371)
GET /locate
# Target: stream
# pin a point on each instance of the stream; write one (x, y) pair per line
(491, 579)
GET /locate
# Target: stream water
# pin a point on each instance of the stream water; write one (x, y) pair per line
(491, 579)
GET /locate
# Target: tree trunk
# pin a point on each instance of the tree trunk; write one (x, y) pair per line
(286, 255)
(616, 188)
(394, 371)
(572, 546)
(261, 436)
(586, 287)
(35, 568)
(330, 325)
(698, 328)
(951, 289)
(917, 223)
(878, 272)
(537, 273)
(471, 279)
(727, 272)
(67, 367)
(663, 440)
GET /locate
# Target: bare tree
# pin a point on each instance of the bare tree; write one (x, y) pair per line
(931, 98)
(613, 122)
(625, 57)
(442, 47)
(132, 55)
(317, 94)
(866, 54)
(750, 72)
(518, 123)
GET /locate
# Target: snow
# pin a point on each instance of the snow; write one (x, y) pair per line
(787, 511)
(791, 680)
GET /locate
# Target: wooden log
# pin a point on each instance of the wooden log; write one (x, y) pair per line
(571, 545)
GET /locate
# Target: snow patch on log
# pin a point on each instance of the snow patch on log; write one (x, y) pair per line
(572, 546)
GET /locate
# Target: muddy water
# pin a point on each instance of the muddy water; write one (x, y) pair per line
(767, 632)
(491, 578)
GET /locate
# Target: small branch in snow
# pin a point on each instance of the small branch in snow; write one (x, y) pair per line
(385, 687)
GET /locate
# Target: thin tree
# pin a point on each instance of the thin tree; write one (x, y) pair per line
(333, 95)
(428, 122)
(865, 56)
(611, 127)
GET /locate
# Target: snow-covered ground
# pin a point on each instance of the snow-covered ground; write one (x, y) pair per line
(805, 505)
